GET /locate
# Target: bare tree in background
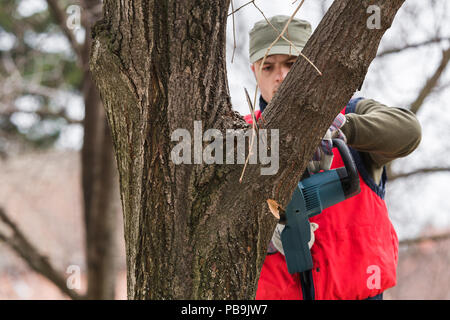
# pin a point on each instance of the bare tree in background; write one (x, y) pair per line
(99, 173)
(421, 273)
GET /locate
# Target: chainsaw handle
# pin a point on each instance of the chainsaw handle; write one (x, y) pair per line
(349, 178)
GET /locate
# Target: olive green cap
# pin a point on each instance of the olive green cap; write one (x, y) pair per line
(262, 35)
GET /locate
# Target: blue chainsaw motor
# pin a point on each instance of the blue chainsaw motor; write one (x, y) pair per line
(313, 194)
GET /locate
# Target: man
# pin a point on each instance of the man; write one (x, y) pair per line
(355, 251)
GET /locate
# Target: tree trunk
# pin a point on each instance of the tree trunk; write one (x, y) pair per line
(100, 187)
(100, 191)
(192, 231)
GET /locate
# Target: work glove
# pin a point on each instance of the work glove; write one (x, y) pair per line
(276, 244)
(323, 157)
(336, 126)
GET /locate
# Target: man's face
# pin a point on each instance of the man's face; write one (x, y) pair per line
(273, 72)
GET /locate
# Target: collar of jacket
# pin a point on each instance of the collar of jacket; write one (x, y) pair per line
(262, 103)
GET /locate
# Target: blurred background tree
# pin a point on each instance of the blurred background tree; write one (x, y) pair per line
(46, 98)
(38, 77)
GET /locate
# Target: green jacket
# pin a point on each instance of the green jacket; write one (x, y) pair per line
(381, 134)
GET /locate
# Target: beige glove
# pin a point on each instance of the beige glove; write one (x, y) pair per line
(276, 237)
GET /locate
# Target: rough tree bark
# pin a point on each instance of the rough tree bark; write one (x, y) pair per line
(192, 231)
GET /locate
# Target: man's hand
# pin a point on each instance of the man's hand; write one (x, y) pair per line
(336, 126)
(276, 238)
(323, 157)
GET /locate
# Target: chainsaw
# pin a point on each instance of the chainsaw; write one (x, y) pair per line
(313, 194)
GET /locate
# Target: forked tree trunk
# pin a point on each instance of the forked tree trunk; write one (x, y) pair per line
(192, 231)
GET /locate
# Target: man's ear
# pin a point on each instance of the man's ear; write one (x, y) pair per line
(252, 66)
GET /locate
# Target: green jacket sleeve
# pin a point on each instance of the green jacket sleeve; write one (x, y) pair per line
(382, 133)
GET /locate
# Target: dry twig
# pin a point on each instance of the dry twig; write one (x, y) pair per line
(254, 131)
(234, 32)
(234, 11)
(281, 34)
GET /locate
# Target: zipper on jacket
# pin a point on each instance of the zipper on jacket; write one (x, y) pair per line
(307, 285)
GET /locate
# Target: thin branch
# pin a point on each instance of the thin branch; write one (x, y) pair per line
(439, 237)
(234, 32)
(415, 172)
(282, 35)
(16, 240)
(287, 40)
(234, 11)
(411, 46)
(431, 83)
(254, 132)
(61, 19)
(427, 89)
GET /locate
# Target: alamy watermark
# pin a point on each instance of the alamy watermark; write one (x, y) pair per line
(374, 20)
(73, 17)
(374, 281)
(191, 151)
(74, 279)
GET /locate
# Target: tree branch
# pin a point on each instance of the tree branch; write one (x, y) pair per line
(16, 240)
(412, 46)
(246, 4)
(427, 89)
(431, 83)
(61, 19)
(418, 171)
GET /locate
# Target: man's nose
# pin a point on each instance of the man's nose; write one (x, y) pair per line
(281, 74)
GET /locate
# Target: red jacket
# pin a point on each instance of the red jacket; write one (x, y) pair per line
(355, 252)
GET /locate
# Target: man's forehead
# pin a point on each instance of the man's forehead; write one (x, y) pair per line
(278, 58)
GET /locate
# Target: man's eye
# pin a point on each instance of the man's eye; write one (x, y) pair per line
(290, 64)
(268, 68)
